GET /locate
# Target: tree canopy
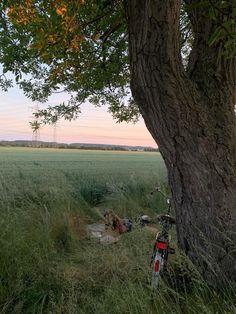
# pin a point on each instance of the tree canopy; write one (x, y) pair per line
(74, 46)
(81, 47)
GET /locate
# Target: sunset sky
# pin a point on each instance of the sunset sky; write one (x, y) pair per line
(94, 125)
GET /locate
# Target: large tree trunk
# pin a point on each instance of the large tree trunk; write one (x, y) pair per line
(191, 116)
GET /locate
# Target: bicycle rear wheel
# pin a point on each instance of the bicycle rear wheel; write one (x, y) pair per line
(157, 270)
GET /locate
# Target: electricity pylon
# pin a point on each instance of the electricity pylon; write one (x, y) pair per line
(55, 134)
(35, 126)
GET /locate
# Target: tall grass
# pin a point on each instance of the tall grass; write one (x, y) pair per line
(34, 234)
(48, 265)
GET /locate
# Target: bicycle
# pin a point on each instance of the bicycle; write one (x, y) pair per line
(161, 248)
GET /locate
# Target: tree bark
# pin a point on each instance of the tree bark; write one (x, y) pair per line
(191, 116)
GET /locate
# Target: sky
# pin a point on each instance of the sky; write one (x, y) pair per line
(94, 125)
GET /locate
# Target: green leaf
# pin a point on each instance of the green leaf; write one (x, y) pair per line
(215, 36)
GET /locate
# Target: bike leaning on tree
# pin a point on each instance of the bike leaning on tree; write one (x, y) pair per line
(162, 247)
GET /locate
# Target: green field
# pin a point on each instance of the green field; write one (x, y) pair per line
(47, 263)
(108, 163)
(70, 175)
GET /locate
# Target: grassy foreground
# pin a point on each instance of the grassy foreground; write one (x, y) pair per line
(48, 265)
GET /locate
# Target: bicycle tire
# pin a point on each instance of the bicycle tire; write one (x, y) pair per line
(157, 269)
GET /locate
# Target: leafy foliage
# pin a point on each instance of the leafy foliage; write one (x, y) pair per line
(223, 13)
(5, 83)
(54, 46)
(81, 47)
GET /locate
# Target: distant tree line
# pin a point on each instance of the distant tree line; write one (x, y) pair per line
(41, 144)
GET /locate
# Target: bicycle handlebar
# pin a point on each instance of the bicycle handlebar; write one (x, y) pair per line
(157, 189)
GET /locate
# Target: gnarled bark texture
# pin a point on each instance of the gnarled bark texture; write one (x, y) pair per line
(190, 114)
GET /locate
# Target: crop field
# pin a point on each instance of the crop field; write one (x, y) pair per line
(66, 175)
(107, 163)
(47, 262)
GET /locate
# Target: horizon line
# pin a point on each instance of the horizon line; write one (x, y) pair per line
(81, 143)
